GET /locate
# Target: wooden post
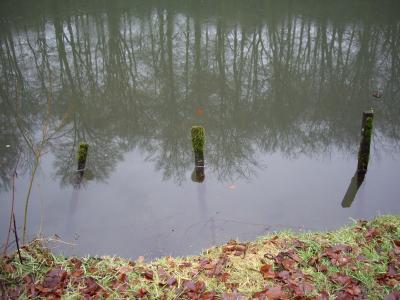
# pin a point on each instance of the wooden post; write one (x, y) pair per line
(198, 141)
(366, 134)
(82, 155)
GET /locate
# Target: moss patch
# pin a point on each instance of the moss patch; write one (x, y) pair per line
(361, 261)
(368, 127)
(82, 152)
(198, 138)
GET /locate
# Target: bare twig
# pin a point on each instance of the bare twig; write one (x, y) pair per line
(16, 239)
(2, 289)
(14, 174)
(35, 166)
(38, 153)
(47, 240)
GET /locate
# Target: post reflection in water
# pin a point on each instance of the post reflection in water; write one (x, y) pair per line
(351, 192)
(277, 78)
(198, 174)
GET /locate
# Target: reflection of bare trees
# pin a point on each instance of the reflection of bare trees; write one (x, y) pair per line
(130, 78)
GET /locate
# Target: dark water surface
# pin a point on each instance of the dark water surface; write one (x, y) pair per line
(279, 86)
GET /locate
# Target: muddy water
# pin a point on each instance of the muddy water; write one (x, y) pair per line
(279, 88)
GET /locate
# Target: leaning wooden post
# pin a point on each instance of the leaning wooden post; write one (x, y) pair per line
(198, 141)
(82, 155)
(366, 134)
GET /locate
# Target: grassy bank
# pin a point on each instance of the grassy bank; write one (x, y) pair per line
(356, 262)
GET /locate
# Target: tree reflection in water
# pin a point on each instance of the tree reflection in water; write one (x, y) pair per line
(288, 79)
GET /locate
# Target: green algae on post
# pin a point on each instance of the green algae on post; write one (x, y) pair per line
(198, 141)
(365, 144)
(82, 155)
(198, 138)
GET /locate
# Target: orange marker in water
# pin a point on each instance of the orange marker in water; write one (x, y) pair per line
(200, 112)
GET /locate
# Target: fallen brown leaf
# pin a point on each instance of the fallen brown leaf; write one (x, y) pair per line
(267, 271)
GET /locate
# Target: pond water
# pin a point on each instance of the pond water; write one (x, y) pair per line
(279, 87)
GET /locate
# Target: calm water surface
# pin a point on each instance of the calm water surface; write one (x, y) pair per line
(279, 87)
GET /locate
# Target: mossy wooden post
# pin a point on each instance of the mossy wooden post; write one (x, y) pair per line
(366, 134)
(198, 141)
(82, 155)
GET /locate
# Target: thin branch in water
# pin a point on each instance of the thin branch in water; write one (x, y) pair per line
(38, 152)
(14, 174)
(36, 164)
(16, 239)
